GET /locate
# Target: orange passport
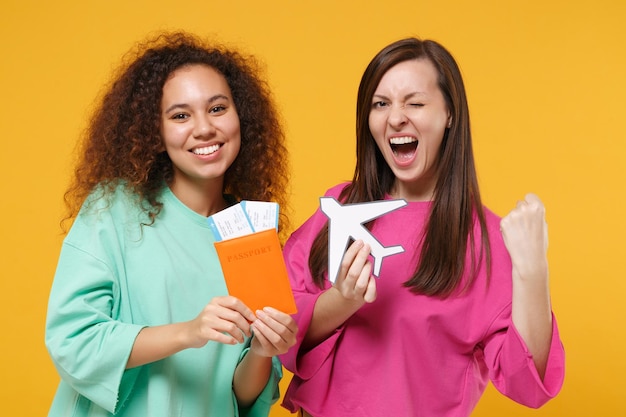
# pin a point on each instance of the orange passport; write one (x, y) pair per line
(255, 271)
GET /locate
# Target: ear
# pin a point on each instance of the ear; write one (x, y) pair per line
(449, 121)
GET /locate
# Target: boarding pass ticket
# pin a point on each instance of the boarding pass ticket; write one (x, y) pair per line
(243, 219)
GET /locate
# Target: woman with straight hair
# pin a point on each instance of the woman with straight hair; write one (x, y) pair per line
(468, 300)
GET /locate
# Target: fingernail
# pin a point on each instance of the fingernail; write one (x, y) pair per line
(260, 314)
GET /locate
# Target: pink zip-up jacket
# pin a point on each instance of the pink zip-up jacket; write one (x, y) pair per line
(407, 354)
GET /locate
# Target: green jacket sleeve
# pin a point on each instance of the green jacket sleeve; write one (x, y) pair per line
(269, 395)
(88, 345)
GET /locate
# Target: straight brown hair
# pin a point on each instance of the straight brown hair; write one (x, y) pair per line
(456, 201)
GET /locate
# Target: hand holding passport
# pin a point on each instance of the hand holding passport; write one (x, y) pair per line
(251, 256)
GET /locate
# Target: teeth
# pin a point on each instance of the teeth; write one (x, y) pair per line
(402, 140)
(206, 151)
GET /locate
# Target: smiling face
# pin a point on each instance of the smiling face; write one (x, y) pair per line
(199, 126)
(408, 119)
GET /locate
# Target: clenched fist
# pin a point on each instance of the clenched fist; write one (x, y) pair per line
(525, 234)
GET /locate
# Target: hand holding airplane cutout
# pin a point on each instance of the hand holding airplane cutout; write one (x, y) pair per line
(346, 222)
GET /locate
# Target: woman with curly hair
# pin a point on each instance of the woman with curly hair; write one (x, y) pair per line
(139, 321)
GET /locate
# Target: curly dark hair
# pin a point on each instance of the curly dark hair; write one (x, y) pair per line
(122, 143)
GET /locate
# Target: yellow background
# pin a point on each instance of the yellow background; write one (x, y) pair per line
(547, 91)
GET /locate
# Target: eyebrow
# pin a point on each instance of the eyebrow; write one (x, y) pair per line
(406, 96)
(186, 106)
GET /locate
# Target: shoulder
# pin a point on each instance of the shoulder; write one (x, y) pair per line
(311, 227)
(106, 196)
(336, 190)
(110, 205)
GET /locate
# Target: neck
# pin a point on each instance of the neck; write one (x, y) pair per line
(205, 199)
(413, 192)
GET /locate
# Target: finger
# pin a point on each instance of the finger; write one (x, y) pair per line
(260, 338)
(236, 324)
(354, 248)
(533, 199)
(229, 320)
(370, 292)
(365, 273)
(276, 332)
(268, 320)
(281, 328)
(359, 283)
(234, 303)
(284, 319)
(348, 258)
(531, 203)
(358, 266)
(230, 329)
(224, 338)
(211, 327)
(268, 338)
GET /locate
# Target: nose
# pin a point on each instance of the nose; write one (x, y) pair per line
(203, 128)
(397, 117)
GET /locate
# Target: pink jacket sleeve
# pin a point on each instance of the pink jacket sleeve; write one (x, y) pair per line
(513, 372)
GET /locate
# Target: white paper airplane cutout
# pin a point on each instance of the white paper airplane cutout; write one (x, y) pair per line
(346, 222)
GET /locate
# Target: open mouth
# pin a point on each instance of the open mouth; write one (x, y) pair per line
(404, 147)
(207, 150)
